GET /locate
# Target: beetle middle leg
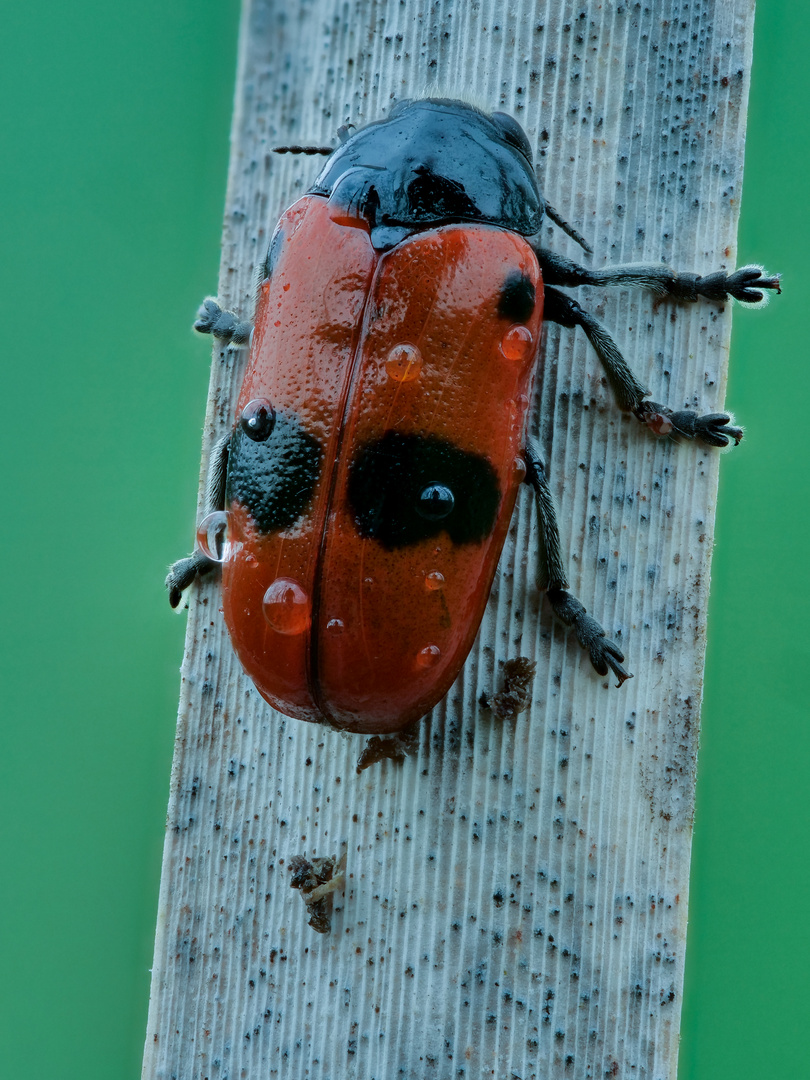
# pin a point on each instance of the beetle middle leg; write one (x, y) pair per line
(602, 651)
(186, 571)
(715, 429)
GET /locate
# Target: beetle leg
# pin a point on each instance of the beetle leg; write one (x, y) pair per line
(602, 651)
(715, 429)
(223, 325)
(745, 284)
(627, 390)
(186, 571)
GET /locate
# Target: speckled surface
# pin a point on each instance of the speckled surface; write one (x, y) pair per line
(515, 900)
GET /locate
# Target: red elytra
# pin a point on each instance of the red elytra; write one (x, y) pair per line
(330, 624)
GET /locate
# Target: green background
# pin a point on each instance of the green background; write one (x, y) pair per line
(114, 154)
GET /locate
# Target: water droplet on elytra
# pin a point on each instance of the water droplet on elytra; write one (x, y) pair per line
(286, 607)
(436, 501)
(428, 657)
(335, 627)
(434, 581)
(403, 363)
(212, 536)
(258, 418)
(516, 342)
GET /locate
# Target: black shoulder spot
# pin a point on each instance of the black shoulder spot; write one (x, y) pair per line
(517, 298)
(405, 488)
(273, 253)
(274, 478)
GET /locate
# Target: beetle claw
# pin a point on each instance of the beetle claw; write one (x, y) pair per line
(741, 281)
(605, 654)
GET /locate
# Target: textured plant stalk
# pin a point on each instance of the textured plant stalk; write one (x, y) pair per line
(515, 896)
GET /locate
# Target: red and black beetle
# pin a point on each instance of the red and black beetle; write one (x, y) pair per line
(379, 439)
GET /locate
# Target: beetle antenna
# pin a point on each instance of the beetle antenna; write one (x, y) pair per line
(566, 228)
(325, 150)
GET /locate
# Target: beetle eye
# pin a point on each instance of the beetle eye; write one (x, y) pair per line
(513, 133)
(436, 501)
(258, 419)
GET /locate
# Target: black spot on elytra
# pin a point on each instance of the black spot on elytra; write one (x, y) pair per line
(273, 253)
(274, 479)
(388, 478)
(434, 197)
(517, 298)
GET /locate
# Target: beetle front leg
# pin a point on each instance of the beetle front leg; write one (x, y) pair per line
(186, 571)
(223, 325)
(602, 651)
(746, 284)
(715, 429)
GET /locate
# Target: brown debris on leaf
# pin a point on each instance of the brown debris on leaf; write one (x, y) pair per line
(393, 748)
(317, 880)
(516, 695)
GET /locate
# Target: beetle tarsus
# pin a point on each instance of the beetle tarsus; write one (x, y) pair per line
(603, 652)
(714, 429)
(223, 325)
(184, 573)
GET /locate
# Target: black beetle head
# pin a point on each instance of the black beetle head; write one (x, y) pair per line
(434, 162)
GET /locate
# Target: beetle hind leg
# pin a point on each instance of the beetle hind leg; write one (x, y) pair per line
(604, 653)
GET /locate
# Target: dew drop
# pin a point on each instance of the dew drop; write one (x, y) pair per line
(212, 536)
(286, 607)
(519, 469)
(436, 501)
(516, 342)
(434, 581)
(403, 363)
(335, 627)
(428, 657)
(258, 419)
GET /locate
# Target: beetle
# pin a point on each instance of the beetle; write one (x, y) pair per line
(360, 502)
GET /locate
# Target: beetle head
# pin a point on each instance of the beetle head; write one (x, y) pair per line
(433, 162)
